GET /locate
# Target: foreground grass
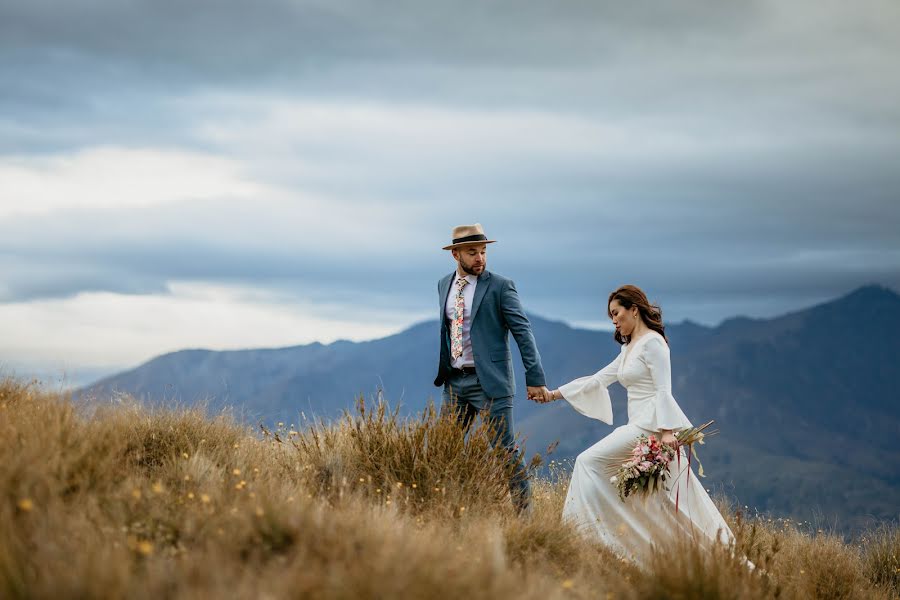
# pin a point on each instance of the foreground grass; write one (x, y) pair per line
(125, 503)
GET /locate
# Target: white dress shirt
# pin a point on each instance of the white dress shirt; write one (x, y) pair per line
(466, 359)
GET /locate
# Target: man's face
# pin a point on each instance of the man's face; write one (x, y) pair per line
(472, 259)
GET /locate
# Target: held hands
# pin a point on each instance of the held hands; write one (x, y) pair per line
(541, 394)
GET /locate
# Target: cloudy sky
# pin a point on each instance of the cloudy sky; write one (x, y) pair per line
(230, 174)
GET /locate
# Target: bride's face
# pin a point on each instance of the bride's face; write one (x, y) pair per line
(624, 319)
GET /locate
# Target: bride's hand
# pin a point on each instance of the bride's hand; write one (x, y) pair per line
(668, 437)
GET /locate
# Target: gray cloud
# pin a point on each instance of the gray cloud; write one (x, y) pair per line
(230, 37)
(733, 257)
(744, 152)
(693, 57)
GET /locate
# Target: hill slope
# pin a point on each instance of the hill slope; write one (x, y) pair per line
(122, 502)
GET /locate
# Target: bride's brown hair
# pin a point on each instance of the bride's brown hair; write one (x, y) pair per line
(651, 314)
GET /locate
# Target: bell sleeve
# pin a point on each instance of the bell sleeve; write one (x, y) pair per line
(668, 414)
(590, 396)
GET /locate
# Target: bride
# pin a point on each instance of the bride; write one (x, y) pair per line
(631, 528)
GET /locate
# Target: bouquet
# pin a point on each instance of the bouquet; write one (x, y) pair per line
(646, 468)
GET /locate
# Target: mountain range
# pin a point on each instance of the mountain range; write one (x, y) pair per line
(807, 404)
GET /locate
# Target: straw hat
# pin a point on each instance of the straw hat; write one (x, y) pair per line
(466, 235)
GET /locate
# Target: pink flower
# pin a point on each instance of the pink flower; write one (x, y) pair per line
(645, 466)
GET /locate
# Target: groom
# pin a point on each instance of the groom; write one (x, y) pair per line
(478, 310)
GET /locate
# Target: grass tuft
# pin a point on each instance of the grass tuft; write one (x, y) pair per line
(126, 502)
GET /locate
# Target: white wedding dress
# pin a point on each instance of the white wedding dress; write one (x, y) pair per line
(631, 528)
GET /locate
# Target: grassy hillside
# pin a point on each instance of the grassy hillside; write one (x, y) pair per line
(119, 502)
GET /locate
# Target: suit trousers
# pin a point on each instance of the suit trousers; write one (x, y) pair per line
(462, 391)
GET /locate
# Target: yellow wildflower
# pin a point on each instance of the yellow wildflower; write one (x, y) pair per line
(145, 548)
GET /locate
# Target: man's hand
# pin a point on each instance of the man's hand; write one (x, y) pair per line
(539, 394)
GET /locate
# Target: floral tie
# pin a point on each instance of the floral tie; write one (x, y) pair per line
(456, 346)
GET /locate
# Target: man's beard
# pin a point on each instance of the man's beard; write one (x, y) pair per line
(470, 271)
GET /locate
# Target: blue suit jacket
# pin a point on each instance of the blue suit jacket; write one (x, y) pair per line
(496, 311)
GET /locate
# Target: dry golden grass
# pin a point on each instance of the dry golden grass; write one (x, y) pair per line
(122, 502)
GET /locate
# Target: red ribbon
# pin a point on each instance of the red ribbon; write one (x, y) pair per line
(677, 478)
(687, 489)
